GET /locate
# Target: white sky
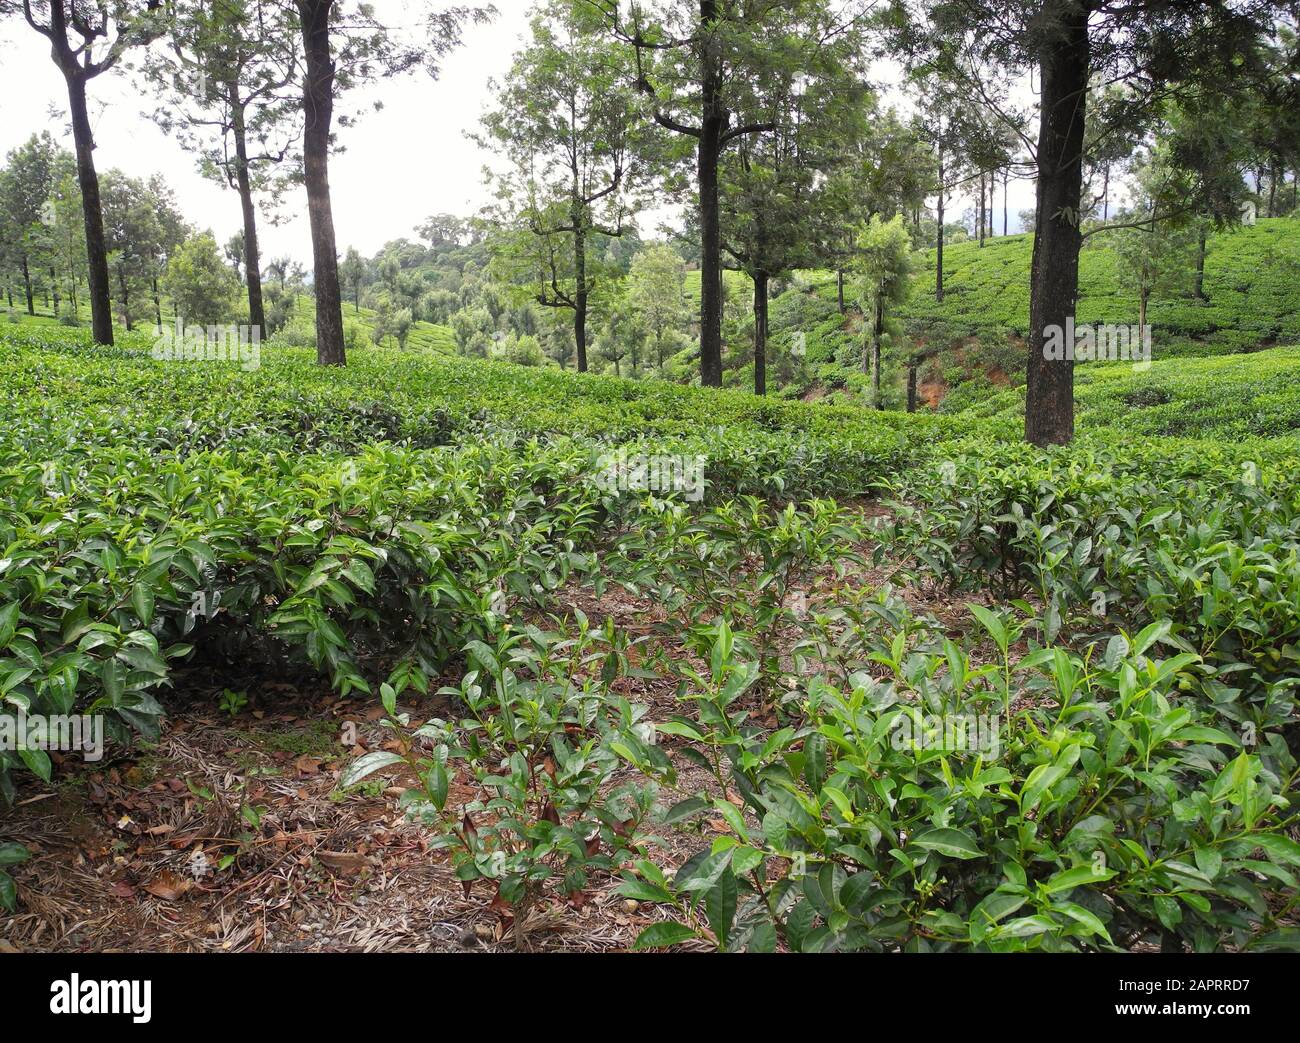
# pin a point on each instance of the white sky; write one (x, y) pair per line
(400, 164)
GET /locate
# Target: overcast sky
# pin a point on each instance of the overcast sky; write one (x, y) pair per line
(400, 164)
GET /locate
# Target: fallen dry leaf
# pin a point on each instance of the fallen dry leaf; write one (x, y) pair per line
(343, 861)
(168, 886)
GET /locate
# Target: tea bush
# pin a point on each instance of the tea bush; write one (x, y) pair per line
(414, 517)
(1108, 812)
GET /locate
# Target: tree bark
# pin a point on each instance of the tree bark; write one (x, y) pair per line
(27, 284)
(125, 291)
(318, 107)
(1200, 265)
(157, 302)
(911, 388)
(839, 288)
(712, 124)
(760, 333)
(1054, 274)
(101, 309)
(938, 235)
(979, 213)
(877, 334)
(252, 259)
(580, 294)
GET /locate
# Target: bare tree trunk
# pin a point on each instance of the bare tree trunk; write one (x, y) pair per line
(318, 106)
(911, 387)
(27, 283)
(839, 288)
(252, 260)
(979, 213)
(760, 333)
(938, 236)
(712, 121)
(1200, 264)
(126, 299)
(1054, 276)
(580, 294)
(877, 334)
(101, 309)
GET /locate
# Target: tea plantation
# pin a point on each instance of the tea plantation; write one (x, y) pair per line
(725, 720)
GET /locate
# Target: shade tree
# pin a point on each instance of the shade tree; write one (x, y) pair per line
(86, 40)
(227, 75)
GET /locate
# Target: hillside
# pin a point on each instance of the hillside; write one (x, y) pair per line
(1252, 285)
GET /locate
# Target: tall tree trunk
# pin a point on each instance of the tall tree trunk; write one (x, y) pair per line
(252, 258)
(580, 294)
(1200, 264)
(911, 387)
(712, 123)
(1054, 274)
(1272, 190)
(27, 283)
(54, 289)
(938, 235)
(157, 301)
(877, 334)
(760, 333)
(318, 105)
(1006, 212)
(839, 288)
(101, 310)
(126, 299)
(979, 213)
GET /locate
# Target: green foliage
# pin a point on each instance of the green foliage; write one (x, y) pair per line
(200, 283)
(1250, 283)
(10, 854)
(1107, 811)
(521, 791)
(416, 516)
